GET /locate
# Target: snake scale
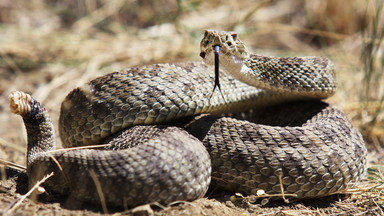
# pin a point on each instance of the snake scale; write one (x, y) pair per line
(159, 148)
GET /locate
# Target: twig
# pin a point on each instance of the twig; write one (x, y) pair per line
(22, 198)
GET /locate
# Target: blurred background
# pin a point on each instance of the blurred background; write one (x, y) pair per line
(48, 47)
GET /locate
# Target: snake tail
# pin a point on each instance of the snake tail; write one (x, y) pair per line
(40, 130)
(150, 169)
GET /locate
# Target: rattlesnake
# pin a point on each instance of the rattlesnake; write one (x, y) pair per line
(307, 149)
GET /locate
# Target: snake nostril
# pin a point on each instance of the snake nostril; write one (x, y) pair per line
(202, 54)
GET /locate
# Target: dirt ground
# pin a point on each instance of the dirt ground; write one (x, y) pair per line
(48, 47)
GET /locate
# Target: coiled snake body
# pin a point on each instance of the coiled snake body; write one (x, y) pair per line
(305, 149)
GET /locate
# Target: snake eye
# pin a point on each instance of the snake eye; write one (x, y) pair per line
(202, 54)
(234, 36)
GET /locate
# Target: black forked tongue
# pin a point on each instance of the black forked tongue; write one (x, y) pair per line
(217, 81)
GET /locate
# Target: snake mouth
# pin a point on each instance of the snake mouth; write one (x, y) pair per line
(202, 54)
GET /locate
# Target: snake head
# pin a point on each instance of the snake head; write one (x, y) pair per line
(232, 49)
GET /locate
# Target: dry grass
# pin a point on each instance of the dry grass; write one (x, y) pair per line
(48, 47)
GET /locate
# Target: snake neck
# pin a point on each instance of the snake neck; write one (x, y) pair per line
(305, 77)
(40, 130)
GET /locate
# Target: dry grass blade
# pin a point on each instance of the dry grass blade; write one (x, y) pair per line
(4, 143)
(22, 198)
(4, 164)
(77, 148)
(9, 61)
(299, 212)
(3, 173)
(261, 194)
(373, 61)
(298, 29)
(97, 16)
(99, 190)
(61, 169)
(282, 190)
(248, 15)
(142, 210)
(11, 164)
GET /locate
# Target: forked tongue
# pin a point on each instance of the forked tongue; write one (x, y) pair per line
(217, 81)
